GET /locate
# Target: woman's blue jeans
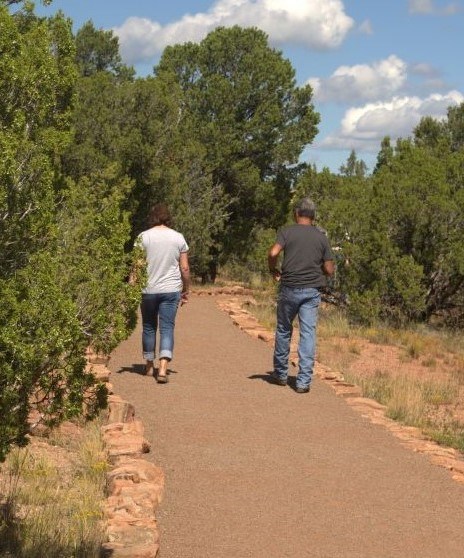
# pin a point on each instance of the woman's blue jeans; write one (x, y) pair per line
(304, 303)
(159, 309)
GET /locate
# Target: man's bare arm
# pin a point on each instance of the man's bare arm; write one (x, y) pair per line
(328, 267)
(272, 257)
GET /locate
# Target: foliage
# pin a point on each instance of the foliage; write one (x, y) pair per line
(353, 166)
(261, 240)
(215, 140)
(201, 213)
(98, 51)
(98, 123)
(11, 2)
(41, 352)
(36, 92)
(40, 344)
(397, 234)
(425, 212)
(251, 120)
(63, 267)
(93, 263)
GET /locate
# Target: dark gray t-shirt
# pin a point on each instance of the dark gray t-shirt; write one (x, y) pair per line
(306, 248)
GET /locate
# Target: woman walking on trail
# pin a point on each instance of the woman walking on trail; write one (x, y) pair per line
(168, 279)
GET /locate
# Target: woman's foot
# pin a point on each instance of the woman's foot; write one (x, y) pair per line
(149, 369)
(162, 377)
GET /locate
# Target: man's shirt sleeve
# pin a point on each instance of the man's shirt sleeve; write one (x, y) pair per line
(281, 238)
(326, 251)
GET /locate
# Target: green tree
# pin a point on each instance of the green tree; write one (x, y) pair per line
(98, 51)
(141, 126)
(250, 117)
(354, 166)
(41, 345)
(37, 91)
(378, 277)
(12, 2)
(163, 155)
(455, 126)
(429, 132)
(93, 264)
(63, 268)
(324, 188)
(403, 233)
(385, 154)
(42, 365)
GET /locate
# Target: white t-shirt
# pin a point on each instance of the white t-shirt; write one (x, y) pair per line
(163, 247)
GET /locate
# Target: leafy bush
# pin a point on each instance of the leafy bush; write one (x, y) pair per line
(63, 267)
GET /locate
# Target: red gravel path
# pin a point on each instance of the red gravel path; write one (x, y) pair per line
(255, 470)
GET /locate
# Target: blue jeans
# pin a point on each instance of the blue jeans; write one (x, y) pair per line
(291, 302)
(159, 308)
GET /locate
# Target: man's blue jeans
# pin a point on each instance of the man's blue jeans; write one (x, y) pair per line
(159, 308)
(304, 303)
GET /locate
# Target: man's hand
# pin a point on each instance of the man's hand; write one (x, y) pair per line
(272, 257)
(328, 268)
(184, 298)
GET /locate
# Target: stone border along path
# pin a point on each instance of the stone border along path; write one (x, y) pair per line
(134, 486)
(410, 436)
(255, 470)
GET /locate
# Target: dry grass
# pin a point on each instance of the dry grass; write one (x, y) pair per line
(265, 308)
(418, 374)
(420, 387)
(427, 405)
(52, 495)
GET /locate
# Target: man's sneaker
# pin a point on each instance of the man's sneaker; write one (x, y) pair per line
(276, 379)
(302, 389)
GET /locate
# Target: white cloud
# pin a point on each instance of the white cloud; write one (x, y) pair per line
(428, 7)
(317, 25)
(421, 6)
(452, 9)
(435, 84)
(424, 69)
(363, 128)
(366, 27)
(362, 81)
(429, 78)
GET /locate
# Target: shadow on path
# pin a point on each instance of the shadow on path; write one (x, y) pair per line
(140, 370)
(291, 380)
(133, 369)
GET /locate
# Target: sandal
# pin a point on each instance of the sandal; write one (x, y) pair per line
(162, 379)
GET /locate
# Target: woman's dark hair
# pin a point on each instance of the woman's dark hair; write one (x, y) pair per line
(159, 215)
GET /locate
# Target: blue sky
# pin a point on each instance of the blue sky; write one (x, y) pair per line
(376, 66)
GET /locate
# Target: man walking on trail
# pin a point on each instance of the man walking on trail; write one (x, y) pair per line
(307, 261)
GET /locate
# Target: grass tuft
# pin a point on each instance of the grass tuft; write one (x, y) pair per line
(54, 505)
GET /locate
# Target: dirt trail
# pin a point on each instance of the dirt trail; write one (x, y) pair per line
(255, 470)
